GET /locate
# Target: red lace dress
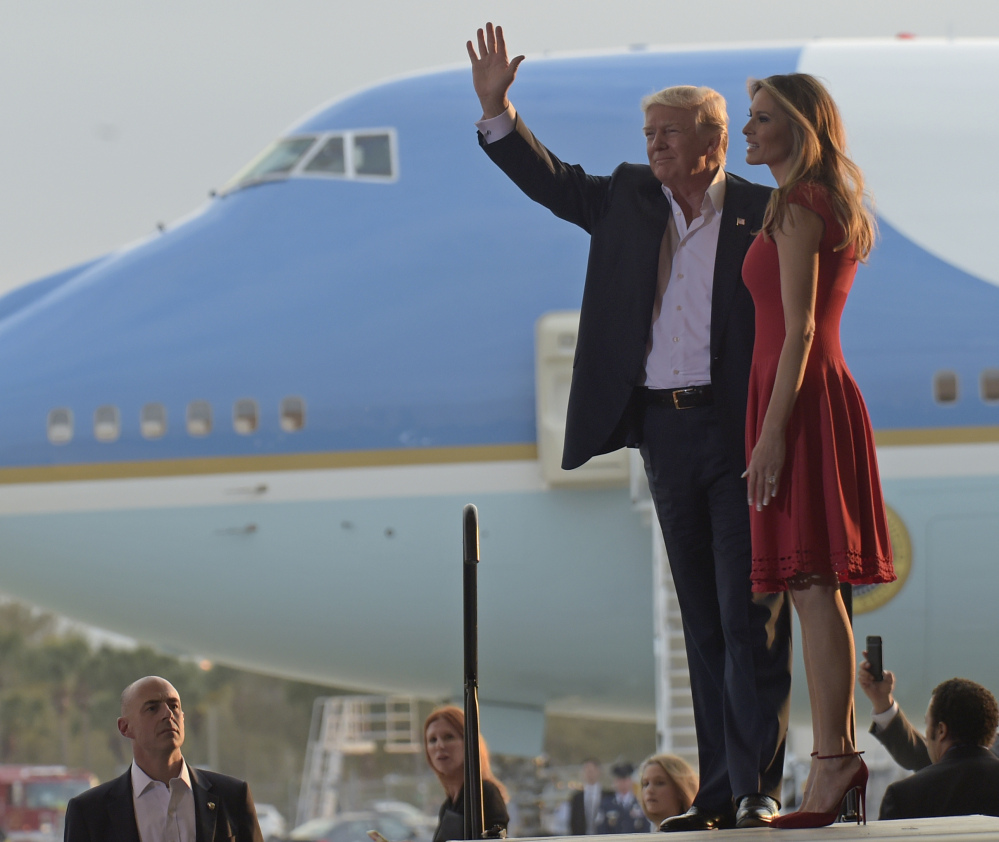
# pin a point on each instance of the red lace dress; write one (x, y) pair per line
(829, 514)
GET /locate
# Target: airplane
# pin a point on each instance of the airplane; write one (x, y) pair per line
(250, 435)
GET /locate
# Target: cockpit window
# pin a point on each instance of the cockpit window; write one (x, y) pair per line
(329, 159)
(277, 159)
(372, 154)
(368, 155)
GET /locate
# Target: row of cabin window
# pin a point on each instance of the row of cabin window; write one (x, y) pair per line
(153, 420)
(245, 413)
(947, 386)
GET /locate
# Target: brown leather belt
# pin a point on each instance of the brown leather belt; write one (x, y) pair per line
(687, 398)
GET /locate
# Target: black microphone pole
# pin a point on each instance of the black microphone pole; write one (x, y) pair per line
(473, 770)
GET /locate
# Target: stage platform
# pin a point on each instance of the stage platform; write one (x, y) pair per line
(949, 829)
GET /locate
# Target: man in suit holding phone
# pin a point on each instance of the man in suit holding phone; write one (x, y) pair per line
(963, 776)
(662, 362)
(160, 798)
(889, 724)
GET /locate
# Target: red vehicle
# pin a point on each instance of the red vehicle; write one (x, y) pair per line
(33, 799)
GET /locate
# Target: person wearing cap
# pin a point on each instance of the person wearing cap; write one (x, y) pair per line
(620, 810)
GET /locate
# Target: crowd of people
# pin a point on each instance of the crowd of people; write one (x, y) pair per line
(160, 798)
(708, 338)
(666, 787)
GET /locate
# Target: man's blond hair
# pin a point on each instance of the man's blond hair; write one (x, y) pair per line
(709, 108)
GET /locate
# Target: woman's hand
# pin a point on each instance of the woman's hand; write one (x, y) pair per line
(763, 473)
(798, 254)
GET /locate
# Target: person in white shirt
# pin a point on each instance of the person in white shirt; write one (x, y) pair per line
(662, 363)
(160, 798)
(585, 803)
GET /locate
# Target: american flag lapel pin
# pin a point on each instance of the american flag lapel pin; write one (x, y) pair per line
(740, 221)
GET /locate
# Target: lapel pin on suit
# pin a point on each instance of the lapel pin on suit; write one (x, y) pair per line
(211, 805)
(740, 221)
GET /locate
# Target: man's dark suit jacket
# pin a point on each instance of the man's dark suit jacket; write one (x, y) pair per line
(964, 782)
(577, 811)
(223, 811)
(905, 744)
(626, 215)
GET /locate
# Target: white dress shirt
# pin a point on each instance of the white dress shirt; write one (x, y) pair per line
(496, 128)
(164, 814)
(680, 343)
(592, 793)
(883, 720)
(680, 334)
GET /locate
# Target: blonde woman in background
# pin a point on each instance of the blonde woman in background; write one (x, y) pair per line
(668, 785)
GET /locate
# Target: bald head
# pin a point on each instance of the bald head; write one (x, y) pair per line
(149, 683)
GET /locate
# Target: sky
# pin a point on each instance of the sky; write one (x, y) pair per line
(116, 115)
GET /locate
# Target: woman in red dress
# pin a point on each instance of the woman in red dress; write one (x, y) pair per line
(816, 511)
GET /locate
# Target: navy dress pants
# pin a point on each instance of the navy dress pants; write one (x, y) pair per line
(738, 643)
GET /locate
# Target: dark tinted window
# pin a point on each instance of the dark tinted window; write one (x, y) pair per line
(372, 154)
(329, 159)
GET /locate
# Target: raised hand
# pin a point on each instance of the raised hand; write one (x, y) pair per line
(492, 71)
(879, 692)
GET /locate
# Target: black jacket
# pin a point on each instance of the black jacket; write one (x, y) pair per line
(223, 811)
(626, 215)
(964, 782)
(451, 818)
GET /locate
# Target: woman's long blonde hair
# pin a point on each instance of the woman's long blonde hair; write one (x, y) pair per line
(455, 717)
(818, 154)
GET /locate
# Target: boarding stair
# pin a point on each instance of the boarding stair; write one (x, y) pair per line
(674, 706)
(351, 725)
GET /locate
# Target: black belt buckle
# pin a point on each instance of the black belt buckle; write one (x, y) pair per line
(686, 398)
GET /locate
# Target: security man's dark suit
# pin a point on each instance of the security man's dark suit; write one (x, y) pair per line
(738, 647)
(223, 811)
(905, 744)
(964, 782)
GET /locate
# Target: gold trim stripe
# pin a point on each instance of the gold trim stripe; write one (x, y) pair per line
(284, 462)
(392, 458)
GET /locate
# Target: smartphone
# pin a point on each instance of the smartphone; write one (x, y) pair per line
(874, 657)
(376, 836)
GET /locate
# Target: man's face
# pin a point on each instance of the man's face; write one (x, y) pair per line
(623, 786)
(591, 773)
(152, 718)
(677, 147)
(934, 737)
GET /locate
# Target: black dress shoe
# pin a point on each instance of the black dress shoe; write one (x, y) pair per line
(756, 811)
(699, 818)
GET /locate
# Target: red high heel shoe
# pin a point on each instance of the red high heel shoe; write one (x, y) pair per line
(857, 784)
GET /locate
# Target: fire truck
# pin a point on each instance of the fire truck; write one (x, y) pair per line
(33, 800)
